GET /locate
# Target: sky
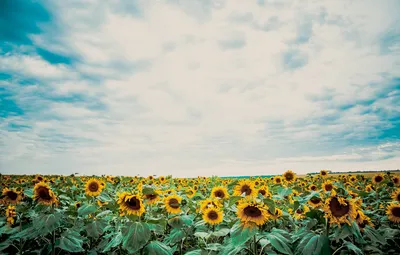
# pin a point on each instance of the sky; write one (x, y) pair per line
(199, 87)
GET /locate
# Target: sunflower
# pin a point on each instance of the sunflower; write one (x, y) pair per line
(100, 203)
(312, 187)
(278, 180)
(315, 202)
(78, 204)
(213, 215)
(190, 192)
(220, 192)
(43, 194)
(11, 196)
(327, 186)
(339, 210)
(207, 203)
(323, 173)
(94, 187)
(300, 213)
(363, 220)
(263, 190)
(246, 187)
(173, 204)
(378, 178)
(250, 211)
(152, 198)
(396, 180)
(289, 176)
(130, 204)
(11, 214)
(162, 179)
(369, 188)
(393, 212)
(278, 213)
(396, 195)
(352, 178)
(39, 178)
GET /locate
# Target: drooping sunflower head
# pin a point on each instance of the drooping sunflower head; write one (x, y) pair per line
(327, 186)
(278, 180)
(396, 180)
(378, 178)
(323, 173)
(312, 187)
(369, 188)
(173, 204)
(263, 190)
(396, 195)
(363, 220)
(213, 215)
(11, 196)
(245, 187)
(393, 212)
(315, 202)
(251, 211)
(94, 187)
(289, 176)
(43, 194)
(220, 192)
(152, 198)
(131, 204)
(340, 210)
(39, 178)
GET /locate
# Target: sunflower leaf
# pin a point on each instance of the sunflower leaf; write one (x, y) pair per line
(233, 200)
(374, 235)
(71, 241)
(136, 236)
(114, 242)
(271, 204)
(86, 209)
(278, 242)
(221, 232)
(353, 248)
(157, 248)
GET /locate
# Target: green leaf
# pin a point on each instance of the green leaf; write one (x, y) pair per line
(114, 242)
(95, 229)
(71, 241)
(240, 234)
(157, 248)
(233, 200)
(175, 236)
(232, 249)
(278, 242)
(353, 248)
(104, 197)
(148, 191)
(271, 205)
(374, 235)
(202, 234)
(221, 232)
(317, 245)
(135, 236)
(197, 252)
(86, 209)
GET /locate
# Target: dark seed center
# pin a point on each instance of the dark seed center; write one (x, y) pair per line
(43, 193)
(337, 209)
(262, 192)
(328, 187)
(151, 196)
(252, 211)
(378, 179)
(396, 211)
(93, 187)
(219, 194)
(133, 203)
(315, 200)
(173, 202)
(12, 195)
(212, 215)
(245, 189)
(289, 177)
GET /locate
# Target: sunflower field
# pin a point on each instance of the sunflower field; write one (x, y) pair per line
(285, 214)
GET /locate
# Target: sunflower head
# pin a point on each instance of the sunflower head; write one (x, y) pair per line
(323, 173)
(190, 192)
(43, 194)
(275, 215)
(393, 212)
(94, 187)
(312, 187)
(245, 187)
(263, 190)
(396, 195)
(152, 198)
(315, 202)
(327, 186)
(219, 192)
(396, 180)
(173, 204)
(11, 196)
(289, 176)
(340, 210)
(131, 204)
(78, 205)
(213, 215)
(369, 188)
(378, 179)
(251, 211)
(278, 180)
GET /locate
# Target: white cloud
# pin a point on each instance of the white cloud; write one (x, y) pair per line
(192, 91)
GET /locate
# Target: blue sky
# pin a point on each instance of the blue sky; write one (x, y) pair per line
(196, 87)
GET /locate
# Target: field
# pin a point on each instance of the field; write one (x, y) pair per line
(287, 214)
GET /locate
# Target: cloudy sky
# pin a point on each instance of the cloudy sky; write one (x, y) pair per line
(199, 87)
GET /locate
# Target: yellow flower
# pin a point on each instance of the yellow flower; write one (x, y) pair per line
(43, 194)
(263, 190)
(173, 204)
(278, 180)
(396, 195)
(94, 187)
(289, 176)
(323, 173)
(251, 211)
(11, 196)
(152, 198)
(131, 204)
(245, 187)
(190, 192)
(219, 192)
(327, 186)
(213, 215)
(278, 213)
(340, 210)
(393, 212)
(378, 179)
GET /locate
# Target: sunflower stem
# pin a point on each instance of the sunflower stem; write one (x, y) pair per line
(255, 244)
(327, 227)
